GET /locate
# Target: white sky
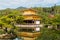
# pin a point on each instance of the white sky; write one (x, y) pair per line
(27, 3)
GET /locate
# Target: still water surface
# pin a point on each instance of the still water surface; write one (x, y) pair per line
(17, 39)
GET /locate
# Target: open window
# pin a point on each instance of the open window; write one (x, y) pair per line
(28, 21)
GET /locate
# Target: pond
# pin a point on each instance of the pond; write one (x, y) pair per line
(18, 39)
(12, 39)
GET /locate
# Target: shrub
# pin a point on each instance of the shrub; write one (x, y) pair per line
(48, 34)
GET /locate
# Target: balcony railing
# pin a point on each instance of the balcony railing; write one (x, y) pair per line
(30, 25)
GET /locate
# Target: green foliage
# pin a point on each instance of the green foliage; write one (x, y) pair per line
(13, 17)
(1, 31)
(9, 17)
(19, 19)
(48, 34)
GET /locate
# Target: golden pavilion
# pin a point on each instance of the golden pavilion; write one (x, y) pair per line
(31, 28)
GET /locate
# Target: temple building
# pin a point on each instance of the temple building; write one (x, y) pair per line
(31, 28)
(31, 17)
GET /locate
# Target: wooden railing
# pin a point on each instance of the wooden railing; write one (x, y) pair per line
(30, 25)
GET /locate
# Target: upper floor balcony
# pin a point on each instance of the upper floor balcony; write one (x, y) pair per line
(29, 25)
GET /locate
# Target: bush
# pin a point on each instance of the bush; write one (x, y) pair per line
(48, 34)
(2, 31)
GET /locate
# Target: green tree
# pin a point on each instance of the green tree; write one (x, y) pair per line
(48, 34)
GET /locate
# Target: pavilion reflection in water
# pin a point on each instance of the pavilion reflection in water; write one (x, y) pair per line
(31, 28)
